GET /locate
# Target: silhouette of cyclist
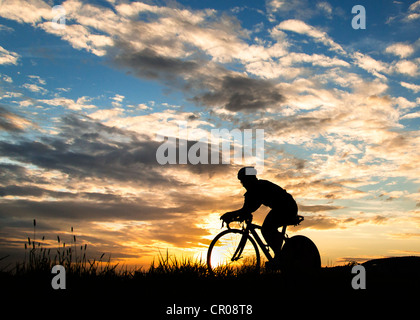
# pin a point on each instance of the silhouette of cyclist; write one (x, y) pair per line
(283, 206)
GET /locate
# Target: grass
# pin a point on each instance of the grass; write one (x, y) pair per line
(171, 278)
(40, 258)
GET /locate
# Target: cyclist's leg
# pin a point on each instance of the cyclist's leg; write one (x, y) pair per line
(275, 219)
(269, 230)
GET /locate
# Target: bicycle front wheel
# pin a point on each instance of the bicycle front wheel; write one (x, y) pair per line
(224, 255)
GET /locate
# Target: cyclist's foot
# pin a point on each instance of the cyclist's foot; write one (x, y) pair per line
(273, 264)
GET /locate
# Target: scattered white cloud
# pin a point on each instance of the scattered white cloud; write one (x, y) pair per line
(71, 104)
(107, 114)
(299, 9)
(371, 65)
(6, 78)
(37, 79)
(5, 28)
(412, 115)
(318, 35)
(404, 103)
(140, 106)
(8, 57)
(400, 49)
(26, 11)
(34, 88)
(411, 86)
(326, 8)
(9, 94)
(407, 67)
(413, 11)
(80, 37)
(117, 99)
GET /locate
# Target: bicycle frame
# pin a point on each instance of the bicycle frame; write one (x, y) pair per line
(251, 228)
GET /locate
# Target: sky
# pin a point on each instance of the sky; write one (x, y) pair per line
(87, 87)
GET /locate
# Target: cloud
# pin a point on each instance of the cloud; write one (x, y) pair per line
(84, 148)
(414, 6)
(326, 8)
(34, 88)
(12, 173)
(37, 79)
(407, 67)
(371, 65)
(317, 208)
(12, 122)
(400, 49)
(149, 64)
(71, 104)
(184, 49)
(40, 14)
(209, 84)
(239, 93)
(379, 68)
(413, 115)
(107, 114)
(6, 28)
(117, 101)
(320, 222)
(89, 155)
(325, 222)
(6, 78)
(8, 57)
(413, 12)
(80, 37)
(299, 9)
(301, 27)
(411, 86)
(85, 210)
(293, 65)
(25, 11)
(352, 136)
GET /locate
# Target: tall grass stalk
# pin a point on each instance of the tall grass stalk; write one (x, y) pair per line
(38, 258)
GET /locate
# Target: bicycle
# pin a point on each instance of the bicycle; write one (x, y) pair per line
(238, 248)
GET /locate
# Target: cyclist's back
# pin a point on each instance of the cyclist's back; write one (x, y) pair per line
(266, 193)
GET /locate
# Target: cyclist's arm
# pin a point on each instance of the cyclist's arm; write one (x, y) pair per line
(239, 212)
(250, 205)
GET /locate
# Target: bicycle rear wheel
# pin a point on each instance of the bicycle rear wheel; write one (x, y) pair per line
(221, 253)
(300, 255)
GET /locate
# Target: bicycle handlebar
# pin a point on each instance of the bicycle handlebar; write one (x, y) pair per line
(247, 220)
(227, 223)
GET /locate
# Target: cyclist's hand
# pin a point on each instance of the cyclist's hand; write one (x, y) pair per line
(228, 217)
(245, 217)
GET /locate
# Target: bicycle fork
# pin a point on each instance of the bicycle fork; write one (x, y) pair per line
(238, 252)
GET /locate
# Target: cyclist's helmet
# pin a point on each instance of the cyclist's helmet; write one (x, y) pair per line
(247, 172)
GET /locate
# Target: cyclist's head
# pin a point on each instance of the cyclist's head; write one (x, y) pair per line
(247, 174)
